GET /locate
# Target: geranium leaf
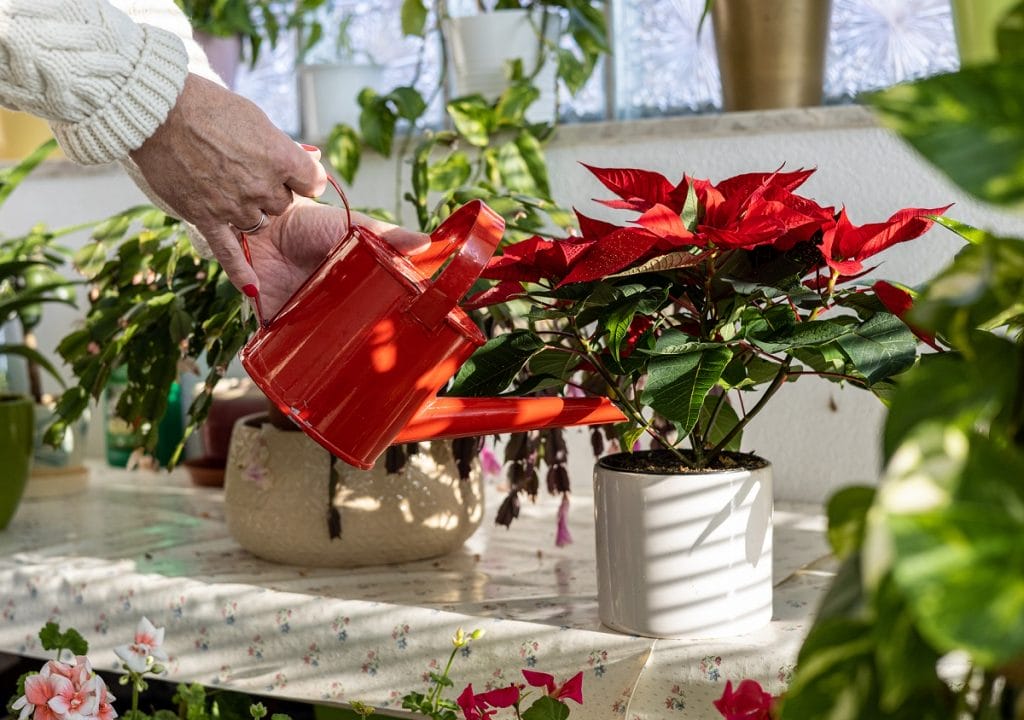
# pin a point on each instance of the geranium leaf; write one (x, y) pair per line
(492, 367)
(546, 708)
(880, 347)
(677, 385)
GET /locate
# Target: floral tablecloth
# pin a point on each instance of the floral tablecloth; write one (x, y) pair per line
(139, 543)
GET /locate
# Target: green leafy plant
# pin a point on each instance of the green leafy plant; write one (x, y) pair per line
(711, 292)
(492, 152)
(30, 277)
(155, 308)
(255, 21)
(923, 619)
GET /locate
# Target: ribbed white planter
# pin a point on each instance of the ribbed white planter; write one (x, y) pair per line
(684, 556)
(482, 44)
(280, 503)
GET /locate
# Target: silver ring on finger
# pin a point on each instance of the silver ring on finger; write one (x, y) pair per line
(255, 228)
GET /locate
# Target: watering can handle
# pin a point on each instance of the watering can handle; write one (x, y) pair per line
(244, 241)
(475, 230)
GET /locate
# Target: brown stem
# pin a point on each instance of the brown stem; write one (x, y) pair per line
(777, 381)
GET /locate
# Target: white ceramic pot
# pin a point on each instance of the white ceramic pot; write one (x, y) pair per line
(281, 504)
(683, 556)
(328, 95)
(482, 44)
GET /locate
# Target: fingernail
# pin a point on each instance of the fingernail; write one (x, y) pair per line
(250, 290)
(310, 148)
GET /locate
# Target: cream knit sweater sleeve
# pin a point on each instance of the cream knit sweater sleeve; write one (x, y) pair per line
(104, 81)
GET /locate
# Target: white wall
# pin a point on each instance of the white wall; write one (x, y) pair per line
(818, 435)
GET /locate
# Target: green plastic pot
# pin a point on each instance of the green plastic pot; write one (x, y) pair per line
(17, 426)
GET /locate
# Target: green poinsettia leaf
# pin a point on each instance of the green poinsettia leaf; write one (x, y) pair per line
(880, 347)
(789, 336)
(493, 367)
(677, 385)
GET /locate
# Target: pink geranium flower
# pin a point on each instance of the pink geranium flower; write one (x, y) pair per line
(73, 701)
(147, 644)
(39, 690)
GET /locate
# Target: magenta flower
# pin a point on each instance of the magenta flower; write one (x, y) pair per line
(489, 462)
(562, 535)
(748, 702)
(571, 688)
(484, 705)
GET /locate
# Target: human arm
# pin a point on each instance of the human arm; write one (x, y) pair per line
(115, 89)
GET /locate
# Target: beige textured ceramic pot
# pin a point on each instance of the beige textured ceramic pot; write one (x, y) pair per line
(684, 556)
(282, 504)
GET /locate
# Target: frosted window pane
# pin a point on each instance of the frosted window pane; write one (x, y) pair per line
(878, 43)
(662, 67)
(374, 33)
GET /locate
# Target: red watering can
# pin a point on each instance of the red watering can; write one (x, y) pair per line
(357, 355)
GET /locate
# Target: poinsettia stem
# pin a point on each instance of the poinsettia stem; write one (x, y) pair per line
(624, 402)
(777, 382)
(826, 301)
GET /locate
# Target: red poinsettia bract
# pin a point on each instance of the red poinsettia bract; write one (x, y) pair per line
(743, 212)
(749, 701)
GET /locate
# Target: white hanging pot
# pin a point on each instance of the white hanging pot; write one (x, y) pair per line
(481, 45)
(286, 499)
(683, 555)
(329, 93)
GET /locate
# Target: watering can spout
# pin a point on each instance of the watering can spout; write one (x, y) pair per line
(452, 417)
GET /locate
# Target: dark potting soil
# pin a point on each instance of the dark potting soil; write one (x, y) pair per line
(665, 462)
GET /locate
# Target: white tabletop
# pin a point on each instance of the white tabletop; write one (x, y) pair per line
(140, 543)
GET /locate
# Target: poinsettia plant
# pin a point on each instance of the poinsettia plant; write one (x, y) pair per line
(706, 294)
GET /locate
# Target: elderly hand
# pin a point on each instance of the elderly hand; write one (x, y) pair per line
(291, 246)
(217, 159)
